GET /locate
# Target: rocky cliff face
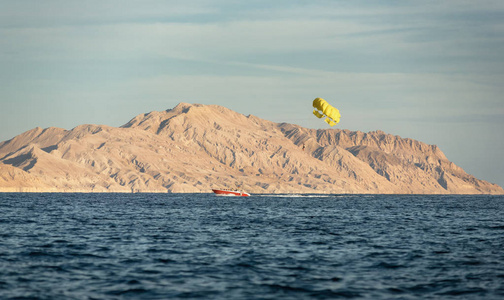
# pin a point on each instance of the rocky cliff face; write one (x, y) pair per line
(193, 148)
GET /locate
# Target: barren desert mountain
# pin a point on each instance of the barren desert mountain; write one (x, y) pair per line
(193, 148)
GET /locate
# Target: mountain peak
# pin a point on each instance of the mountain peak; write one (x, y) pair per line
(189, 116)
(183, 107)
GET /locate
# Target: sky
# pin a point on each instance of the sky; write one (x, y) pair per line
(428, 70)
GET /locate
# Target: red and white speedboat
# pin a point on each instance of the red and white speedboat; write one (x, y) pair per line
(226, 192)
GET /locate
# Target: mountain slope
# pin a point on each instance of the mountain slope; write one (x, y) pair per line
(193, 148)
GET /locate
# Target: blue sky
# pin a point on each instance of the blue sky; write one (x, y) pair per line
(428, 70)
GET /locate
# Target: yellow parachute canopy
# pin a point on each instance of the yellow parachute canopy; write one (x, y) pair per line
(323, 108)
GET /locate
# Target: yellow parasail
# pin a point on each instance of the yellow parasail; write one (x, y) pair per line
(323, 108)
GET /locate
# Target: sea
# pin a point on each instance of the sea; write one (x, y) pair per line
(202, 246)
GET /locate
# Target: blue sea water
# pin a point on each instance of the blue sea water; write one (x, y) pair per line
(199, 246)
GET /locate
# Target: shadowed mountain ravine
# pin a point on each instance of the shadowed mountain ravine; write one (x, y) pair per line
(193, 148)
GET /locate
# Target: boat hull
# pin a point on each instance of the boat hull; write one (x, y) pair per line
(230, 193)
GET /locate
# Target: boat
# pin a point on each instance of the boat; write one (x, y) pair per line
(228, 192)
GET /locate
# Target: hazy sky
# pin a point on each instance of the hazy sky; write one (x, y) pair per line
(428, 70)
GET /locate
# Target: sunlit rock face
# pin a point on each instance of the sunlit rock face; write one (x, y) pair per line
(193, 148)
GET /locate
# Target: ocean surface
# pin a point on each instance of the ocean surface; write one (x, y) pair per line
(201, 246)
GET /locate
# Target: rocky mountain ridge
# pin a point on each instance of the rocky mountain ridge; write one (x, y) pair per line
(193, 148)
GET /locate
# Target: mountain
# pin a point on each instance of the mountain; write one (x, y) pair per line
(193, 148)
